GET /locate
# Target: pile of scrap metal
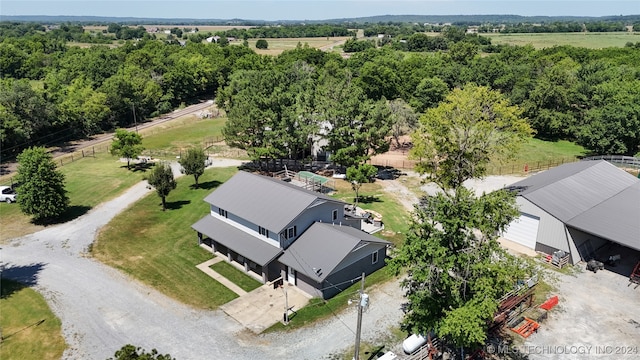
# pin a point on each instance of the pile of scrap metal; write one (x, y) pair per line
(515, 303)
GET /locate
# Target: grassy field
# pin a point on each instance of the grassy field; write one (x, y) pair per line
(107, 179)
(538, 154)
(244, 281)
(373, 197)
(181, 134)
(160, 248)
(277, 46)
(24, 336)
(585, 40)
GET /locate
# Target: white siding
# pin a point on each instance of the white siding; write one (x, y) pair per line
(523, 230)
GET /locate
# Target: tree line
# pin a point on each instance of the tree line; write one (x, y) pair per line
(51, 92)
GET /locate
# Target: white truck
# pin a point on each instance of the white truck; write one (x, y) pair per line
(7, 194)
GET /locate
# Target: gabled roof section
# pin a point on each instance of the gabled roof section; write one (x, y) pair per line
(592, 196)
(264, 201)
(320, 249)
(617, 218)
(237, 240)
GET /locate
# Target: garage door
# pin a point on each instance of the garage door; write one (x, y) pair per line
(523, 230)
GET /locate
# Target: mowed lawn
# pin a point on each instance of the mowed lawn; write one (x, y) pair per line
(373, 197)
(160, 248)
(585, 40)
(538, 154)
(24, 333)
(89, 182)
(187, 132)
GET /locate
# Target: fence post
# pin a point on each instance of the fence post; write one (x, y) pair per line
(94, 151)
(82, 152)
(61, 162)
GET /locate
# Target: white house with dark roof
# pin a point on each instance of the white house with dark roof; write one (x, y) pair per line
(276, 229)
(577, 208)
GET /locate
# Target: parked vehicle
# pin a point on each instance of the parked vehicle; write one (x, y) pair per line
(7, 194)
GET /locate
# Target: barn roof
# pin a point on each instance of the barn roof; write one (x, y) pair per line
(592, 196)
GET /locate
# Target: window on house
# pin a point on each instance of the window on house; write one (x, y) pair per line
(263, 231)
(374, 257)
(222, 212)
(289, 233)
(334, 215)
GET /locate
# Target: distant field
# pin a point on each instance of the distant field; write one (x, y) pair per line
(585, 40)
(277, 46)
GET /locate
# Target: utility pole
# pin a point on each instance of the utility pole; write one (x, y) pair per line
(286, 305)
(133, 108)
(361, 299)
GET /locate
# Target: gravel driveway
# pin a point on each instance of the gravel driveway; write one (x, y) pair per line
(102, 309)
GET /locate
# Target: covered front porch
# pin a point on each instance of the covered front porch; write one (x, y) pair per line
(240, 249)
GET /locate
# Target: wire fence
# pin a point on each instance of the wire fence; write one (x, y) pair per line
(505, 169)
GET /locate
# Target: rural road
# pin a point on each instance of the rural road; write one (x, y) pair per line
(102, 309)
(10, 167)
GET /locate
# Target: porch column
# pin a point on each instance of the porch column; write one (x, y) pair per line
(213, 246)
(246, 265)
(264, 276)
(199, 238)
(229, 255)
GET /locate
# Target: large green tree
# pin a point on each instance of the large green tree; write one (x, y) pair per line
(456, 269)
(193, 163)
(126, 144)
(41, 189)
(457, 139)
(356, 127)
(162, 180)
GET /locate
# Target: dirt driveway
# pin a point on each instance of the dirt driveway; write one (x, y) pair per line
(598, 317)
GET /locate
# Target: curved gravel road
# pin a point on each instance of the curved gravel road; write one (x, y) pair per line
(102, 309)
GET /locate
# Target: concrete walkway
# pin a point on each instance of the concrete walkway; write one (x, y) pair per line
(204, 267)
(265, 306)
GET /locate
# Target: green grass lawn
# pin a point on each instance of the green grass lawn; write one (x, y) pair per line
(539, 154)
(160, 248)
(585, 40)
(89, 182)
(23, 336)
(373, 197)
(319, 309)
(244, 281)
(188, 132)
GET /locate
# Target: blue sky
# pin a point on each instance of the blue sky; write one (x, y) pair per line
(313, 9)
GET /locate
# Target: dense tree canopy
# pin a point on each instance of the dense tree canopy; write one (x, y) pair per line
(52, 92)
(457, 139)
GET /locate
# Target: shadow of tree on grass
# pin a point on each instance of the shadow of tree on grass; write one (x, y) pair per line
(73, 212)
(16, 277)
(175, 205)
(207, 185)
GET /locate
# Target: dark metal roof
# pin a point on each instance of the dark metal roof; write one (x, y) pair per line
(249, 246)
(264, 201)
(320, 249)
(592, 196)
